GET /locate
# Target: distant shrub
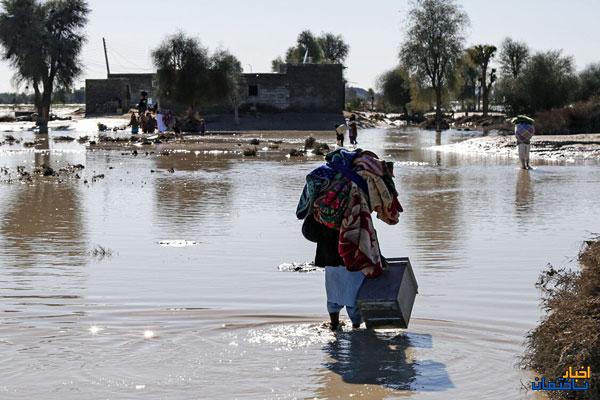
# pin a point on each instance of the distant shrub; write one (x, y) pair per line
(582, 117)
(255, 142)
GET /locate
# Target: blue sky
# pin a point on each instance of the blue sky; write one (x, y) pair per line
(258, 31)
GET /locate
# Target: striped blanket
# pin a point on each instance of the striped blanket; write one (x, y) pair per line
(524, 132)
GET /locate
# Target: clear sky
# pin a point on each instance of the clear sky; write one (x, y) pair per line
(258, 31)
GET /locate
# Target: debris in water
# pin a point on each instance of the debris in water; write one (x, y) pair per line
(178, 243)
(100, 252)
(64, 139)
(298, 267)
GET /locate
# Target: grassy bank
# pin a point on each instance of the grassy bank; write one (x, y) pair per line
(569, 334)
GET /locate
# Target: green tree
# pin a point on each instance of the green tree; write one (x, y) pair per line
(325, 49)
(42, 42)
(467, 83)
(188, 75)
(334, 49)
(226, 80)
(293, 56)
(434, 45)
(589, 82)
(513, 57)
(395, 87)
(309, 44)
(276, 64)
(182, 65)
(481, 56)
(547, 81)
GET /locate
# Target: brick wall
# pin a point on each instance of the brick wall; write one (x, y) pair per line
(137, 83)
(105, 96)
(272, 91)
(316, 87)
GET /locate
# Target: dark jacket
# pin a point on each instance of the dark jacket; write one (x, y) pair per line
(327, 240)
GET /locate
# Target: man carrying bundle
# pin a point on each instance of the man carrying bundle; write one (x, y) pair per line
(524, 130)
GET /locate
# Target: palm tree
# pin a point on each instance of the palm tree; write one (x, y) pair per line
(481, 56)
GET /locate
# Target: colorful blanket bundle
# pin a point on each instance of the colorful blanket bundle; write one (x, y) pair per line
(524, 132)
(342, 194)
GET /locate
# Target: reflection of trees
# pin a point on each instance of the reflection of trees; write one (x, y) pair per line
(196, 202)
(43, 223)
(435, 213)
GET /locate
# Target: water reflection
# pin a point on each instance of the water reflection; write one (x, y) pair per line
(44, 223)
(434, 212)
(363, 357)
(523, 193)
(196, 200)
(381, 359)
(43, 244)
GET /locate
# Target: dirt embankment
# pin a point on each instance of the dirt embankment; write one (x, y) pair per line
(569, 335)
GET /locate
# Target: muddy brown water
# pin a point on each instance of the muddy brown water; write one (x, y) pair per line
(216, 319)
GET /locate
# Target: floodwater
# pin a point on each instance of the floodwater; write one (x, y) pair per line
(209, 315)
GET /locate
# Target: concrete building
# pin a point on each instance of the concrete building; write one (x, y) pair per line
(304, 87)
(117, 93)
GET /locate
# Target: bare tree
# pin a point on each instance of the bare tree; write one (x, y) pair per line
(434, 45)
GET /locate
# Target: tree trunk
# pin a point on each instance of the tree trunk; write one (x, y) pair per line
(486, 99)
(484, 89)
(236, 114)
(438, 109)
(43, 116)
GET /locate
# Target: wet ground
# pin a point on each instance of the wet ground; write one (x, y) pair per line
(188, 301)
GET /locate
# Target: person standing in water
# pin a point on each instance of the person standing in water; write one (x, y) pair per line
(336, 205)
(353, 129)
(134, 124)
(524, 131)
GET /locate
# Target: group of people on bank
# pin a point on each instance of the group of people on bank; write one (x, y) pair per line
(151, 119)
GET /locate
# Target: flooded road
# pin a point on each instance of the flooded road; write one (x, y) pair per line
(190, 302)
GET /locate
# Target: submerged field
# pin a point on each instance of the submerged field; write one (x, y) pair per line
(188, 300)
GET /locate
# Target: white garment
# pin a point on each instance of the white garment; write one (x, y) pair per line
(524, 153)
(160, 123)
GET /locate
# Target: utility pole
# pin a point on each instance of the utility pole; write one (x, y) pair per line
(106, 58)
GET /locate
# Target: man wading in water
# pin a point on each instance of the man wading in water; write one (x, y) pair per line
(336, 206)
(524, 131)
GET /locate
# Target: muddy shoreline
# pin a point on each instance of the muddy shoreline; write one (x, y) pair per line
(550, 147)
